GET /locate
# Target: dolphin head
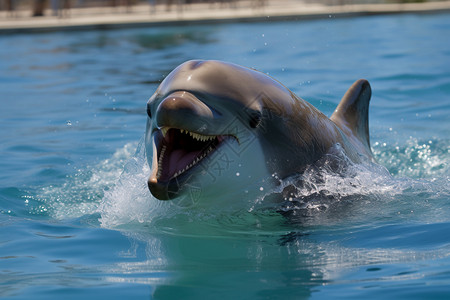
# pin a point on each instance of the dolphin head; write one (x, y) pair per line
(216, 127)
(203, 131)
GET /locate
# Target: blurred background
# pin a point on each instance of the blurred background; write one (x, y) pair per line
(63, 8)
(77, 220)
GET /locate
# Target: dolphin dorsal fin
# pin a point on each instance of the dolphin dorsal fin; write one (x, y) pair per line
(352, 113)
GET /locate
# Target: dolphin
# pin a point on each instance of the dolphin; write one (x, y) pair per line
(218, 128)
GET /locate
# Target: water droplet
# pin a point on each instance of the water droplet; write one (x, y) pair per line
(261, 189)
(237, 174)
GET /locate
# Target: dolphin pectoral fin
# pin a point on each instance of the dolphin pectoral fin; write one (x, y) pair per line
(352, 113)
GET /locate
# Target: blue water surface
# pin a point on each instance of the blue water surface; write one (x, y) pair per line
(76, 218)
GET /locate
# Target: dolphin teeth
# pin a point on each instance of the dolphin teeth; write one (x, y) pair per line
(164, 131)
(179, 172)
(160, 161)
(197, 136)
(194, 135)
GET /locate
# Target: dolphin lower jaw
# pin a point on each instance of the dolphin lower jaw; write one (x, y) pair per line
(166, 190)
(177, 152)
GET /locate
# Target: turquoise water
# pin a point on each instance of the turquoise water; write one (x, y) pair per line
(76, 218)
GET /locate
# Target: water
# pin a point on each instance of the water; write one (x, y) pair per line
(77, 220)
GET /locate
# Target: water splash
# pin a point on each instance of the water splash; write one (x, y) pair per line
(82, 192)
(415, 158)
(333, 191)
(129, 200)
(369, 191)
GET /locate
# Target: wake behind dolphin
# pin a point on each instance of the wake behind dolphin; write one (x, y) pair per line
(219, 128)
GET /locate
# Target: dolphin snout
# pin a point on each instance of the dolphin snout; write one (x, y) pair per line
(159, 190)
(182, 110)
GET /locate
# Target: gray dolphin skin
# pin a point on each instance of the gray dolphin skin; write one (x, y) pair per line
(204, 109)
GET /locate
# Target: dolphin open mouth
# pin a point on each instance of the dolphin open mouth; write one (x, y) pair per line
(178, 151)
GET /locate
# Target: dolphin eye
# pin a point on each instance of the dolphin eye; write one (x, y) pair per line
(149, 111)
(255, 119)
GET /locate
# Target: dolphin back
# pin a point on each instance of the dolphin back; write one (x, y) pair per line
(352, 113)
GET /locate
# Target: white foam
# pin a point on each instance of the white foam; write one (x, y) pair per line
(129, 200)
(82, 192)
(415, 158)
(116, 189)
